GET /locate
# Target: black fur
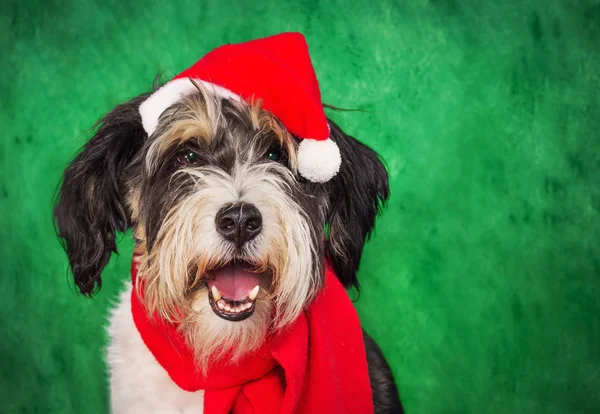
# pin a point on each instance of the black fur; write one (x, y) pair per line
(90, 207)
(385, 393)
(356, 196)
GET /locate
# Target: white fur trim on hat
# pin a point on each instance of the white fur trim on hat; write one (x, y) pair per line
(318, 161)
(171, 93)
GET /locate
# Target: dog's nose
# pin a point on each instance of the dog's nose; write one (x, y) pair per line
(239, 223)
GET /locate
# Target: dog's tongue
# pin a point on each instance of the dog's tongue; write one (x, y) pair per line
(233, 282)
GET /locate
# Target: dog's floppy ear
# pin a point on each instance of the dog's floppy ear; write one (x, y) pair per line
(90, 206)
(357, 194)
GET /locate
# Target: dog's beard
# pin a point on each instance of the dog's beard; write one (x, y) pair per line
(188, 246)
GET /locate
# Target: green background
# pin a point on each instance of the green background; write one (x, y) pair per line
(481, 283)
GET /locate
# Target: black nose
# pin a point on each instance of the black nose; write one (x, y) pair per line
(239, 222)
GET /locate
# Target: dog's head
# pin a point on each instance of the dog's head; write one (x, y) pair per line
(231, 240)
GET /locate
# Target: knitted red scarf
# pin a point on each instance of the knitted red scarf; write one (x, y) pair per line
(316, 365)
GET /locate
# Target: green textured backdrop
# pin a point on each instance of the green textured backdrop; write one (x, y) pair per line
(481, 284)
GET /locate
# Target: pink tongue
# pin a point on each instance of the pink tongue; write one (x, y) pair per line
(233, 282)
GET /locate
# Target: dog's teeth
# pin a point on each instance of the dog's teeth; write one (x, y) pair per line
(247, 306)
(221, 305)
(216, 294)
(227, 308)
(254, 292)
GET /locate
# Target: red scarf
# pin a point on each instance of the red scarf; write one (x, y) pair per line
(316, 365)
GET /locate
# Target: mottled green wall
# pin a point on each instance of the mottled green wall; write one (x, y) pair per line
(481, 283)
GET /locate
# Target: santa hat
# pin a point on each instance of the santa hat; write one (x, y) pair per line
(276, 70)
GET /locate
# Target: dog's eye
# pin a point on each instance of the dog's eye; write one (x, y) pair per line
(189, 158)
(274, 154)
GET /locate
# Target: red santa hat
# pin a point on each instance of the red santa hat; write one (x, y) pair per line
(278, 71)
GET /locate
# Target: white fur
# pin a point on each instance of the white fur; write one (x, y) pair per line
(138, 384)
(171, 93)
(319, 161)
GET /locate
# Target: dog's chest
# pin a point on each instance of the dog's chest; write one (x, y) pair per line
(138, 384)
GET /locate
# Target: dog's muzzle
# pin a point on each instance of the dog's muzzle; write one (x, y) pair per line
(233, 289)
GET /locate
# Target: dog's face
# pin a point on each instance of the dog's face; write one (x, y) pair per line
(230, 240)
(226, 232)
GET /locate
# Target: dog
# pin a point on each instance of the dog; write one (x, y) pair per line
(234, 234)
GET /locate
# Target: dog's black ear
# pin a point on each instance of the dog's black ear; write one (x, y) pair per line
(90, 206)
(356, 195)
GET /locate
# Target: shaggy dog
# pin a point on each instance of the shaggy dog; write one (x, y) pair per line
(214, 193)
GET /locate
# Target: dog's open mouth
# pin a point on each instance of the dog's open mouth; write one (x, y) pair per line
(233, 289)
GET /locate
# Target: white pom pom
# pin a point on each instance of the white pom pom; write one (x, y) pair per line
(318, 161)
